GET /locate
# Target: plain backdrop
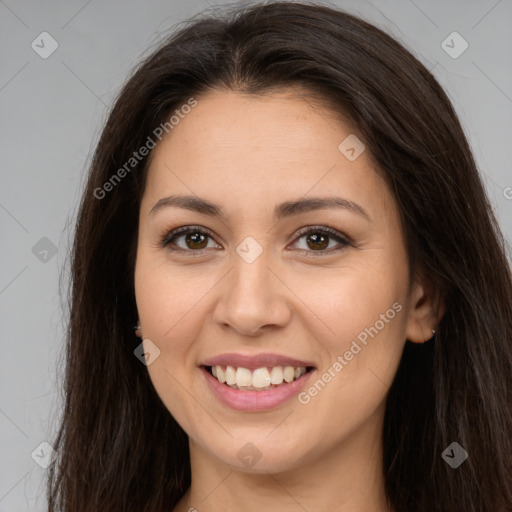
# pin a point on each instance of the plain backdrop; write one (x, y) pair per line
(51, 113)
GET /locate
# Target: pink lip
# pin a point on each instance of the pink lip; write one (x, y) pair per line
(255, 361)
(255, 401)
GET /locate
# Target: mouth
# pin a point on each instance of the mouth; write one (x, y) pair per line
(253, 390)
(265, 378)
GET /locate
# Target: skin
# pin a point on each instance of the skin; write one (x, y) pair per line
(250, 153)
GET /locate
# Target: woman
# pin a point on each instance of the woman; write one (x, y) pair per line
(284, 205)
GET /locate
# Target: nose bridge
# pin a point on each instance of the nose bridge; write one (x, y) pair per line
(253, 296)
(250, 282)
(251, 275)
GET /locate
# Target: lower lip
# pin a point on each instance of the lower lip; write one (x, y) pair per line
(255, 400)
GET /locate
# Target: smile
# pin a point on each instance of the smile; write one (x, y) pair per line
(259, 379)
(250, 398)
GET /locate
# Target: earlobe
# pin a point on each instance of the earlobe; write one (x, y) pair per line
(137, 328)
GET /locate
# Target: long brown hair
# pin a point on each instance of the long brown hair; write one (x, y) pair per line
(119, 448)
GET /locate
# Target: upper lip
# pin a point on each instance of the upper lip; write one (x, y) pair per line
(254, 361)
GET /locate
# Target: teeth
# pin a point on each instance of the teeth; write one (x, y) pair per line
(243, 377)
(289, 373)
(230, 375)
(299, 371)
(276, 375)
(258, 379)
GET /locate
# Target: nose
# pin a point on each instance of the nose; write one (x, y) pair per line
(254, 298)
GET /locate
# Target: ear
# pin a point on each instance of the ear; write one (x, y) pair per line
(138, 331)
(426, 309)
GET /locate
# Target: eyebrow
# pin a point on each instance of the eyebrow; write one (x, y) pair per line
(286, 209)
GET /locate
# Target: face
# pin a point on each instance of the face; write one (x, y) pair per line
(261, 284)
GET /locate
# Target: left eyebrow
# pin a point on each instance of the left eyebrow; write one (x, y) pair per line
(286, 209)
(290, 208)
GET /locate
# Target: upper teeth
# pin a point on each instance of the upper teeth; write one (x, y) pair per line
(258, 378)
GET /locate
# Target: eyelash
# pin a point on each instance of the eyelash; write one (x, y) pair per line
(324, 230)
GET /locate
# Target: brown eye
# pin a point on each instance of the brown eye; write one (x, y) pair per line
(318, 240)
(195, 240)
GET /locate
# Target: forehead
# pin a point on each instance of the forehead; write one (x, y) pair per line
(283, 145)
(286, 123)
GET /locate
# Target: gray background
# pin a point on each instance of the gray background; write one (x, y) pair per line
(52, 110)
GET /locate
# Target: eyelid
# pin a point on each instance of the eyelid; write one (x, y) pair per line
(184, 230)
(342, 239)
(333, 233)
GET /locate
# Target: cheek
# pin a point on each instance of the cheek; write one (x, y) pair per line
(360, 356)
(351, 299)
(169, 305)
(167, 300)
(363, 313)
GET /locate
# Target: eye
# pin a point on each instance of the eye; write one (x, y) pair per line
(195, 239)
(317, 240)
